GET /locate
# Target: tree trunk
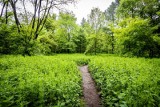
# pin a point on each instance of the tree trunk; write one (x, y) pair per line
(2, 9)
(95, 46)
(13, 5)
(6, 13)
(112, 44)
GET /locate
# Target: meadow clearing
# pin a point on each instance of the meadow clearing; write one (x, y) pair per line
(55, 81)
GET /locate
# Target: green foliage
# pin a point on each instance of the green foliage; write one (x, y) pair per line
(135, 37)
(50, 24)
(127, 8)
(10, 40)
(66, 32)
(80, 41)
(126, 27)
(143, 9)
(110, 12)
(47, 40)
(140, 39)
(95, 43)
(82, 61)
(95, 21)
(39, 81)
(127, 82)
(4, 36)
(55, 80)
(109, 39)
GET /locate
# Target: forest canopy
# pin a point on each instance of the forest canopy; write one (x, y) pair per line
(126, 27)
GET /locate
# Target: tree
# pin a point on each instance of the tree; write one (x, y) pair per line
(141, 8)
(96, 21)
(111, 12)
(47, 36)
(85, 33)
(30, 25)
(65, 32)
(128, 8)
(135, 37)
(147, 10)
(110, 15)
(108, 40)
(80, 41)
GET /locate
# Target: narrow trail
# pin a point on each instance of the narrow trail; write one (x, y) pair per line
(90, 93)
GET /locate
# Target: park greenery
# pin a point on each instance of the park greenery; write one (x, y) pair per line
(127, 82)
(40, 52)
(39, 82)
(127, 27)
(55, 81)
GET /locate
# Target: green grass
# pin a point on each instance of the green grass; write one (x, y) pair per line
(47, 81)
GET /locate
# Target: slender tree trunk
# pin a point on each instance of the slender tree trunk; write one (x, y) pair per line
(43, 19)
(26, 15)
(38, 22)
(132, 12)
(34, 17)
(13, 5)
(2, 9)
(95, 46)
(81, 47)
(69, 38)
(6, 13)
(112, 44)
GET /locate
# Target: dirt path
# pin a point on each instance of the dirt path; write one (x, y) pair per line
(90, 93)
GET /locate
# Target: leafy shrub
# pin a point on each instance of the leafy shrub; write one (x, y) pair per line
(82, 61)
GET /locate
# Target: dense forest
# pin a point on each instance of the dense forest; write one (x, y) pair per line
(126, 27)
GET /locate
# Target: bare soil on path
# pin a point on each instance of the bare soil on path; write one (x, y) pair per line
(90, 93)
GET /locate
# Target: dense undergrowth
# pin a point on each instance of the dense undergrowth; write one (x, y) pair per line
(48, 81)
(127, 82)
(44, 81)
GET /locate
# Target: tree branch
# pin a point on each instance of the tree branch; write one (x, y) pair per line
(13, 5)
(26, 16)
